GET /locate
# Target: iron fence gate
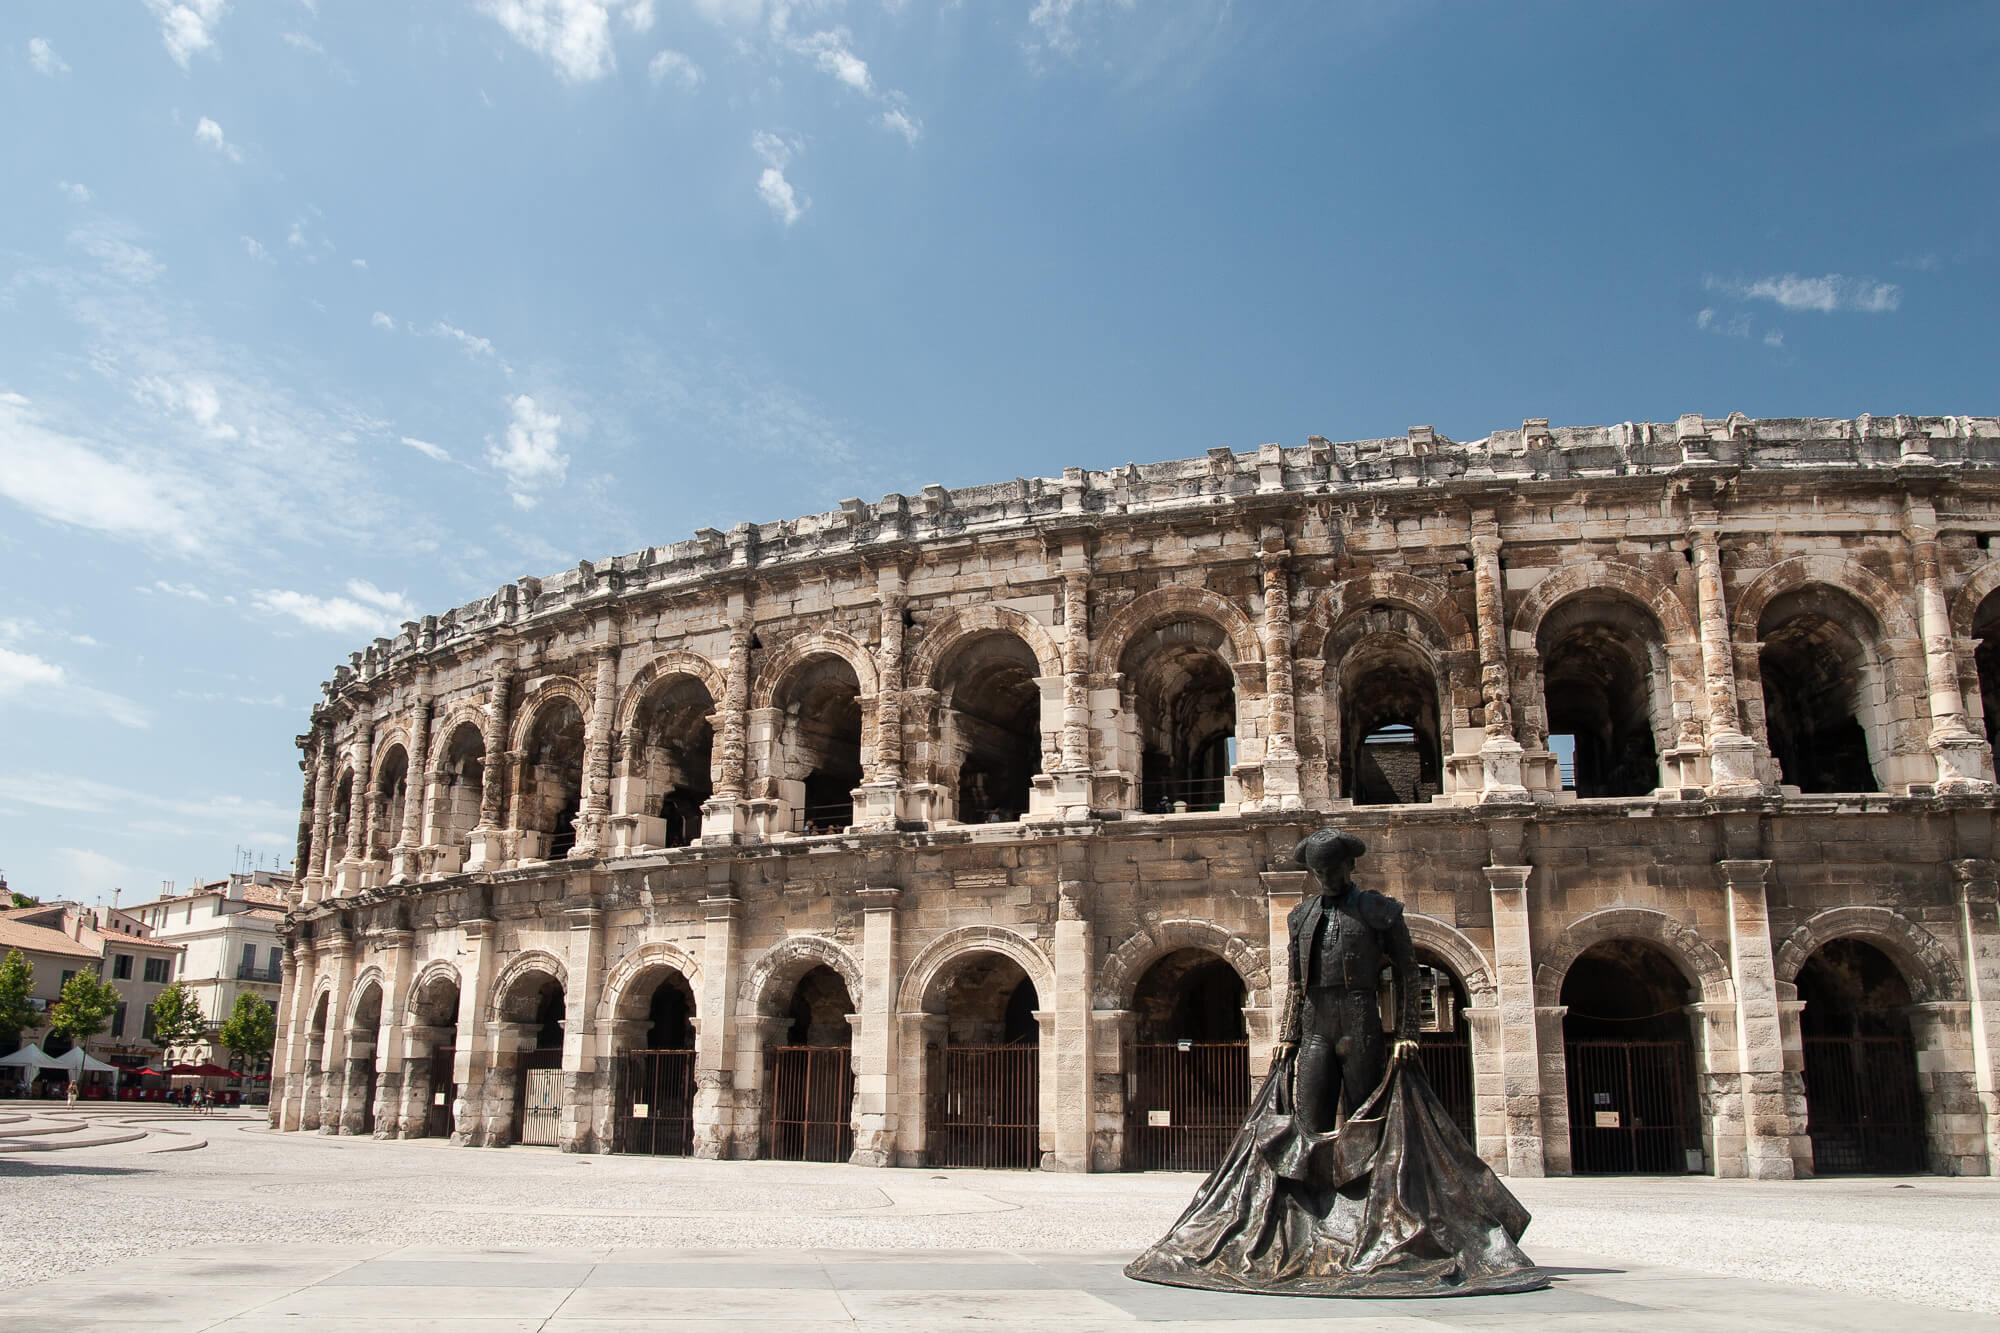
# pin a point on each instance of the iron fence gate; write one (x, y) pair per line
(809, 1103)
(982, 1106)
(541, 1106)
(437, 1116)
(1184, 1102)
(655, 1109)
(1631, 1107)
(1446, 1059)
(1863, 1110)
(368, 1100)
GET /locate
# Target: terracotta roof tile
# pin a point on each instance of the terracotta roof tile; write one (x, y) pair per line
(40, 939)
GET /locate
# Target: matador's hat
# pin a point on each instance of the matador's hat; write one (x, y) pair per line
(1316, 850)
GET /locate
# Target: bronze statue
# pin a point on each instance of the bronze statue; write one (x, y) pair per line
(1348, 1177)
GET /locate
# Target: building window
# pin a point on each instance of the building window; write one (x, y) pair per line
(65, 978)
(277, 959)
(146, 1028)
(121, 967)
(118, 1021)
(249, 958)
(159, 969)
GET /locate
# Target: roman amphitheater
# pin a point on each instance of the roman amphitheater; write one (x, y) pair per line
(954, 829)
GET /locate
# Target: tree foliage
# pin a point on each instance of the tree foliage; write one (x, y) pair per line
(250, 1029)
(17, 983)
(85, 1008)
(177, 1017)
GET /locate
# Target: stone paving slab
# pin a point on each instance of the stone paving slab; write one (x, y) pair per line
(305, 1288)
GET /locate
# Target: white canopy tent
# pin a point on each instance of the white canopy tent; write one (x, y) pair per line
(30, 1056)
(77, 1063)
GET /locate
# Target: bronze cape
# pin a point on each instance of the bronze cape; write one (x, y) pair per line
(1394, 1203)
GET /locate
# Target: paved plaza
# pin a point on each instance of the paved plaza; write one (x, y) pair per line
(170, 1221)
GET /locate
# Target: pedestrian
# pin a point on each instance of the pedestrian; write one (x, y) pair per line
(72, 1093)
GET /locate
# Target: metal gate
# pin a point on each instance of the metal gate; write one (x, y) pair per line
(1184, 1102)
(541, 1106)
(1631, 1108)
(1446, 1059)
(437, 1116)
(368, 1100)
(983, 1106)
(1863, 1110)
(809, 1103)
(655, 1111)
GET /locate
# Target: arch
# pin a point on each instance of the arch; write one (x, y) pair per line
(1429, 601)
(322, 997)
(795, 653)
(1927, 966)
(519, 966)
(555, 687)
(1671, 613)
(675, 662)
(1697, 960)
(372, 975)
(627, 970)
(1118, 979)
(1892, 617)
(1381, 674)
(438, 969)
(441, 733)
(1978, 586)
(970, 622)
(789, 959)
(1163, 606)
(920, 980)
(1450, 945)
(395, 736)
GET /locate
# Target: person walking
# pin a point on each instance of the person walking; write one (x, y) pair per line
(72, 1094)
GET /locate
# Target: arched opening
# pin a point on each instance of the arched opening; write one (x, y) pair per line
(1184, 696)
(551, 782)
(991, 725)
(1864, 1108)
(363, 1025)
(818, 760)
(1825, 709)
(461, 778)
(339, 819)
(670, 757)
(1187, 1071)
(1604, 684)
(533, 1014)
(1444, 1040)
(654, 1101)
(809, 1077)
(1390, 751)
(982, 1104)
(315, 1072)
(1629, 1049)
(435, 1018)
(1986, 631)
(392, 783)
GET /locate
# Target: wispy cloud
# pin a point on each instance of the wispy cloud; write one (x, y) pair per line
(187, 27)
(431, 451)
(300, 41)
(382, 321)
(532, 454)
(1709, 320)
(773, 188)
(78, 194)
(255, 249)
(67, 480)
(1774, 338)
(672, 67)
(472, 343)
(118, 256)
(75, 795)
(361, 264)
(573, 35)
(1824, 295)
(30, 681)
(366, 609)
(209, 135)
(44, 58)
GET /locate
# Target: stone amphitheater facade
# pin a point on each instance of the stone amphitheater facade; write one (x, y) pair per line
(1644, 723)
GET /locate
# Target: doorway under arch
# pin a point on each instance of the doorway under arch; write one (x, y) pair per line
(809, 1078)
(983, 1102)
(1187, 1071)
(653, 1107)
(1629, 1051)
(1864, 1109)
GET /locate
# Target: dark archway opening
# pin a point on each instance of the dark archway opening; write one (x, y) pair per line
(552, 781)
(535, 1009)
(1603, 673)
(994, 712)
(821, 745)
(672, 753)
(654, 1084)
(1390, 750)
(982, 1104)
(1187, 1071)
(1818, 691)
(1986, 632)
(392, 783)
(362, 1030)
(461, 784)
(1444, 1040)
(1864, 1107)
(1630, 1055)
(809, 1108)
(436, 1011)
(1185, 696)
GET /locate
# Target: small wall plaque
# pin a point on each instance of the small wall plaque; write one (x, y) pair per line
(1607, 1119)
(1160, 1119)
(437, 1099)
(640, 1110)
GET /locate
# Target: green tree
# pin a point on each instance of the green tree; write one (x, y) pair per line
(177, 1018)
(17, 983)
(85, 1008)
(249, 1030)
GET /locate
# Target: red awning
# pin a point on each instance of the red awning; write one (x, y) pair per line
(201, 1071)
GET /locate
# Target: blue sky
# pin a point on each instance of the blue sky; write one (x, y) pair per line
(316, 317)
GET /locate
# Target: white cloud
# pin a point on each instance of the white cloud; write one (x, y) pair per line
(44, 58)
(255, 249)
(574, 35)
(94, 869)
(472, 343)
(639, 16)
(116, 254)
(187, 590)
(22, 672)
(65, 480)
(533, 451)
(1825, 295)
(366, 609)
(428, 450)
(187, 26)
(903, 123)
(32, 682)
(17, 631)
(1774, 338)
(78, 194)
(685, 74)
(296, 235)
(382, 321)
(777, 192)
(359, 263)
(833, 53)
(58, 791)
(209, 135)
(1713, 321)
(191, 397)
(302, 42)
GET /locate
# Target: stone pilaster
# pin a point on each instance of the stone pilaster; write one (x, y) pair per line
(878, 802)
(1979, 955)
(586, 1067)
(1281, 752)
(1067, 1047)
(1282, 891)
(1500, 752)
(1953, 1113)
(876, 1031)
(1768, 1127)
(339, 964)
(404, 865)
(593, 827)
(313, 872)
(295, 1036)
(1961, 756)
(350, 875)
(474, 1052)
(1523, 1091)
(390, 1062)
(715, 1036)
(487, 844)
(724, 816)
(1732, 756)
(1489, 1100)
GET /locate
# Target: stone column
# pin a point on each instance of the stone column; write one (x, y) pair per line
(715, 1035)
(1069, 1043)
(295, 1038)
(593, 825)
(417, 793)
(1489, 1099)
(1732, 756)
(488, 848)
(1282, 891)
(1281, 751)
(313, 872)
(1953, 1114)
(723, 815)
(351, 874)
(876, 1030)
(391, 1067)
(1962, 757)
(333, 1055)
(474, 1046)
(1718, 1085)
(879, 802)
(1979, 954)
(1769, 1130)
(1524, 1089)
(584, 1064)
(1068, 780)
(1500, 753)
